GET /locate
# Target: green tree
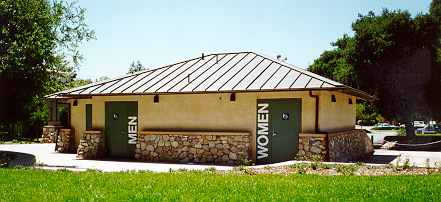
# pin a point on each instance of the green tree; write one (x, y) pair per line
(38, 45)
(332, 64)
(393, 56)
(434, 86)
(136, 67)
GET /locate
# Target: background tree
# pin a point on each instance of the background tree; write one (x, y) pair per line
(394, 57)
(136, 67)
(434, 86)
(102, 78)
(279, 57)
(39, 39)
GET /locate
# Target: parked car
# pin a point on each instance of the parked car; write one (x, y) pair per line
(419, 124)
(384, 126)
(432, 129)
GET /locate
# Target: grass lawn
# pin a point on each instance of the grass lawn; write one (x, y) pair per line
(37, 185)
(436, 134)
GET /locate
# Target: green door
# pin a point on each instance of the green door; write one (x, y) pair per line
(278, 128)
(121, 129)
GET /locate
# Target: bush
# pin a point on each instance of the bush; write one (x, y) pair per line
(401, 132)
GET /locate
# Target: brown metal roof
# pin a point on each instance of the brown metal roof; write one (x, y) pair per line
(224, 72)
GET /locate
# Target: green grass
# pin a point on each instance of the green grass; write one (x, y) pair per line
(436, 134)
(20, 141)
(35, 185)
(384, 130)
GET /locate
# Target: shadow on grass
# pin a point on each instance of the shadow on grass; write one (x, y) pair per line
(22, 159)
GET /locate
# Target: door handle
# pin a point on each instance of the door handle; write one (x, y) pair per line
(274, 133)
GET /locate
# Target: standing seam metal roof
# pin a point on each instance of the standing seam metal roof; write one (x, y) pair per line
(224, 72)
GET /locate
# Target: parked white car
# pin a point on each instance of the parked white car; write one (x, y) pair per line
(384, 125)
(419, 124)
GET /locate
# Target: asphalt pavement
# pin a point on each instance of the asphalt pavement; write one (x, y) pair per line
(377, 135)
(44, 156)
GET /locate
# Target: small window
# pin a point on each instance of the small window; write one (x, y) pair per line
(350, 101)
(156, 99)
(233, 97)
(333, 98)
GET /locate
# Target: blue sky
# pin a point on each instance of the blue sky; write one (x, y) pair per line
(159, 33)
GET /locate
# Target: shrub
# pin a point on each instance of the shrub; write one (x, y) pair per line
(89, 170)
(244, 169)
(328, 166)
(358, 163)
(210, 169)
(268, 167)
(401, 132)
(346, 169)
(247, 162)
(301, 171)
(64, 170)
(182, 169)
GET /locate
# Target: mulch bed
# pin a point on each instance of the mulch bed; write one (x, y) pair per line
(361, 170)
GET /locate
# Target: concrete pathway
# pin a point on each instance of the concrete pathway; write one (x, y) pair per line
(377, 135)
(418, 158)
(45, 156)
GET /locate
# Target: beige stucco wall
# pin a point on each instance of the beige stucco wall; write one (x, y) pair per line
(215, 112)
(336, 116)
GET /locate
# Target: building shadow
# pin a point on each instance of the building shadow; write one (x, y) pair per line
(22, 159)
(379, 159)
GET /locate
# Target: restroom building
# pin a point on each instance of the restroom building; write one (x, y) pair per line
(217, 108)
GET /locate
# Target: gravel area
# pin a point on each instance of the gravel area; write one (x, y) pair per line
(334, 169)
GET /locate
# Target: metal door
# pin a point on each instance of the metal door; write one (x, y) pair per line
(278, 128)
(121, 129)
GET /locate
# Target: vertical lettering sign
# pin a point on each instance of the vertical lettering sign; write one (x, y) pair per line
(133, 129)
(262, 130)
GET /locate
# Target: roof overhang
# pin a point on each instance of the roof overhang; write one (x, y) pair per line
(350, 91)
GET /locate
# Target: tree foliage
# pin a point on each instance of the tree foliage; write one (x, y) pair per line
(136, 67)
(393, 56)
(38, 40)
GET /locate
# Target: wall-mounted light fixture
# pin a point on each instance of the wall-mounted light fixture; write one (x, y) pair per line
(350, 101)
(156, 99)
(333, 98)
(233, 97)
(75, 103)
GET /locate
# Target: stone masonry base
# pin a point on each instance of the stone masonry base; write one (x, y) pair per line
(66, 138)
(341, 146)
(50, 133)
(198, 147)
(92, 145)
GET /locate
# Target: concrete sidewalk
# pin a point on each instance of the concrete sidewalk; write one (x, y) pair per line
(44, 154)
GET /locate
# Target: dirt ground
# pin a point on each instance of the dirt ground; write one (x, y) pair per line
(335, 169)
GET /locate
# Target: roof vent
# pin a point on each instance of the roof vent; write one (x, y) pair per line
(202, 56)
